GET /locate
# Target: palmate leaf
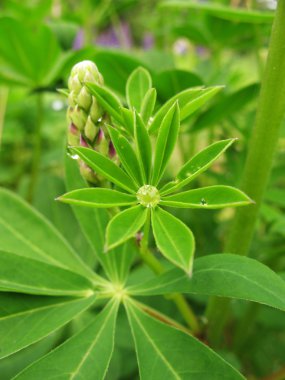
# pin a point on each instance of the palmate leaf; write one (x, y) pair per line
(28, 57)
(124, 226)
(93, 223)
(189, 101)
(42, 242)
(174, 239)
(26, 319)
(26, 275)
(164, 352)
(98, 197)
(223, 275)
(138, 84)
(211, 197)
(127, 155)
(167, 137)
(197, 165)
(84, 356)
(107, 168)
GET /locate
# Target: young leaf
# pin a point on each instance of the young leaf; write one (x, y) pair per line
(107, 100)
(212, 197)
(98, 197)
(30, 318)
(128, 120)
(84, 356)
(148, 105)
(165, 352)
(189, 101)
(166, 140)
(25, 275)
(127, 155)
(125, 225)
(174, 239)
(197, 165)
(106, 168)
(42, 242)
(138, 84)
(144, 148)
(222, 275)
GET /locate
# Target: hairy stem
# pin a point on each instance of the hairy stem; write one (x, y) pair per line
(181, 303)
(262, 146)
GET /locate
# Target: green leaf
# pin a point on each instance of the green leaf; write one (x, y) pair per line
(26, 275)
(165, 352)
(223, 275)
(174, 239)
(144, 147)
(28, 57)
(223, 12)
(26, 233)
(97, 197)
(92, 221)
(148, 105)
(138, 84)
(84, 356)
(227, 107)
(197, 165)
(27, 319)
(211, 197)
(106, 167)
(170, 82)
(189, 101)
(107, 100)
(127, 155)
(166, 140)
(128, 120)
(124, 226)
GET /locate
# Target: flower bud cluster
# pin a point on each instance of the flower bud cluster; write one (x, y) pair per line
(86, 118)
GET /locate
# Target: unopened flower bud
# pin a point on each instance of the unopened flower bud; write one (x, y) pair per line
(90, 129)
(73, 135)
(84, 99)
(78, 117)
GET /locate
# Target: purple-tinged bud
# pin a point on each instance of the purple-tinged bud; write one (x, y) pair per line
(78, 117)
(83, 142)
(112, 150)
(73, 135)
(100, 136)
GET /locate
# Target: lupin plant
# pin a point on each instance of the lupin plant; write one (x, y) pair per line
(138, 182)
(59, 285)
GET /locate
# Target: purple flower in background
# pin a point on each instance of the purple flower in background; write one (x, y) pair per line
(78, 40)
(116, 38)
(148, 41)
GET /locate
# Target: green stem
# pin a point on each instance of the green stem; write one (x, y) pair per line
(3, 104)
(179, 300)
(262, 146)
(37, 148)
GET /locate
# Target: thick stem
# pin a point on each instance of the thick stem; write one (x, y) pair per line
(262, 146)
(37, 148)
(179, 300)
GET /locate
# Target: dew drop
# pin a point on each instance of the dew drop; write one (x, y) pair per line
(203, 202)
